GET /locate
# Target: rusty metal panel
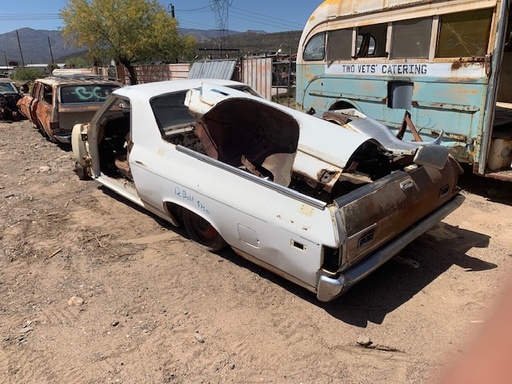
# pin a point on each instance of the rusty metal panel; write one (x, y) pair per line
(221, 69)
(391, 205)
(257, 73)
(341, 8)
(149, 73)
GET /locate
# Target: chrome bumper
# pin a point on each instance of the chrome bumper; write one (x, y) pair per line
(330, 287)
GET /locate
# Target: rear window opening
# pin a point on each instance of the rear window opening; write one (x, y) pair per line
(86, 93)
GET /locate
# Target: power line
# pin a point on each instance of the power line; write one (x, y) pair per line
(31, 16)
(192, 10)
(278, 21)
(190, 24)
(237, 13)
(184, 23)
(262, 21)
(255, 18)
(221, 8)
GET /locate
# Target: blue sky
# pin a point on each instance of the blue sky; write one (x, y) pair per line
(243, 15)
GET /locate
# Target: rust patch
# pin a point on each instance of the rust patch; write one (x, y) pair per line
(466, 63)
(456, 65)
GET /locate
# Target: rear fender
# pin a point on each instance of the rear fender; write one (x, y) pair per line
(175, 212)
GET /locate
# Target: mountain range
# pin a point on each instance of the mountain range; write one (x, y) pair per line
(38, 46)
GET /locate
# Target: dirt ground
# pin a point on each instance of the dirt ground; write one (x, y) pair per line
(94, 290)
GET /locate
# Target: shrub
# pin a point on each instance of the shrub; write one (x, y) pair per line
(28, 74)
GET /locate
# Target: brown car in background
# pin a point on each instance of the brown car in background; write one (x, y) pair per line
(56, 104)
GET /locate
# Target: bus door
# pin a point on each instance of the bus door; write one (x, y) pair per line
(496, 147)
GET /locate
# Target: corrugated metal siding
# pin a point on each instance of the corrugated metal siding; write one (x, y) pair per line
(257, 73)
(213, 70)
(151, 73)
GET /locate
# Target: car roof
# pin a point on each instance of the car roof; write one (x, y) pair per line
(73, 80)
(150, 90)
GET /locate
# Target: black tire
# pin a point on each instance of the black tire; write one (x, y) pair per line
(202, 232)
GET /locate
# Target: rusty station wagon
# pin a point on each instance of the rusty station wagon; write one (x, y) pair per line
(320, 204)
(56, 104)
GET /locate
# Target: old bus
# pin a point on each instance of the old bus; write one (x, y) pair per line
(445, 65)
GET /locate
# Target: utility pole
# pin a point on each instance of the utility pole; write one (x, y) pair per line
(21, 52)
(50, 46)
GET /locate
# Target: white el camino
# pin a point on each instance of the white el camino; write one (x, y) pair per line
(318, 203)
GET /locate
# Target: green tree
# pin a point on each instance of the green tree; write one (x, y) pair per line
(129, 31)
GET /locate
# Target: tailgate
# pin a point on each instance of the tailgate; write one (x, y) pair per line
(373, 215)
(68, 117)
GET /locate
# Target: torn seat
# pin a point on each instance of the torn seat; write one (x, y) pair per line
(121, 161)
(122, 165)
(206, 140)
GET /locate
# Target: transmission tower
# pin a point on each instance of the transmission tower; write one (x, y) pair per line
(221, 9)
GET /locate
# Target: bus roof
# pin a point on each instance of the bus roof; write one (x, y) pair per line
(332, 10)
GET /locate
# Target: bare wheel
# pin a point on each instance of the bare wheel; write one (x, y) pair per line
(202, 232)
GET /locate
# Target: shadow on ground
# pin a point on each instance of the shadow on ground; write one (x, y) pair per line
(394, 283)
(391, 285)
(493, 190)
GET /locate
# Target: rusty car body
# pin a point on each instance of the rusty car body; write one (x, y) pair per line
(56, 103)
(320, 204)
(9, 97)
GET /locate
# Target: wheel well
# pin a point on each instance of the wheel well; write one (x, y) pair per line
(175, 213)
(184, 217)
(342, 105)
(202, 232)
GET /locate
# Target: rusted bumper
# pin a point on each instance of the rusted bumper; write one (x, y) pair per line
(330, 287)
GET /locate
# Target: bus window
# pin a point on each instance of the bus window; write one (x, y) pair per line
(371, 41)
(315, 48)
(411, 39)
(465, 34)
(339, 45)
